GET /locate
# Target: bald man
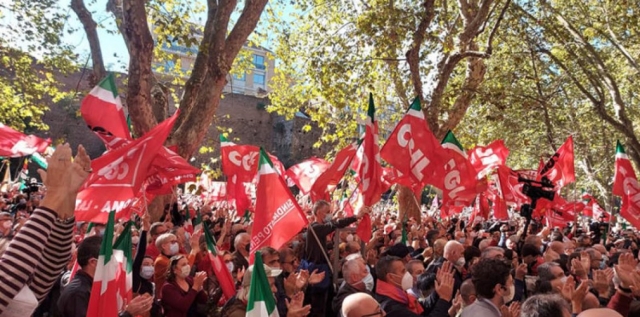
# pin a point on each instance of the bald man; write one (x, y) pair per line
(557, 247)
(599, 312)
(361, 304)
(454, 253)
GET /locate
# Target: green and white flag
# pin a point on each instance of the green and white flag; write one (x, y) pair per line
(451, 142)
(261, 302)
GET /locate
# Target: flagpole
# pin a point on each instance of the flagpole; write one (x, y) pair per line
(351, 196)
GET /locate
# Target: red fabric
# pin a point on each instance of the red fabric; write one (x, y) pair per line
(365, 229)
(333, 174)
(16, 144)
(412, 148)
(306, 173)
(486, 158)
(370, 170)
(119, 174)
(176, 302)
(280, 217)
(620, 303)
(152, 251)
(560, 167)
(456, 178)
(626, 185)
(385, 289)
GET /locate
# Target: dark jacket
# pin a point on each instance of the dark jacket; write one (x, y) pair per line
(343, 292)
(457, 276)
(313, 251)
(140, 285)
(239, 262)
(396, 309)
(74, 300)
(234, 308)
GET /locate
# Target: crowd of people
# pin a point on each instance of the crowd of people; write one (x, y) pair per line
(410, 267)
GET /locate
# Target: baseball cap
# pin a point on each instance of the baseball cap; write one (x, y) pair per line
(271, 272)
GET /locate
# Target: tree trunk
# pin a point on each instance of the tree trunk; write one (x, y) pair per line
(408, 203)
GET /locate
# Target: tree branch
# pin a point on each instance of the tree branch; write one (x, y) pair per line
(90, 29)
(413, 55)
(140, 45)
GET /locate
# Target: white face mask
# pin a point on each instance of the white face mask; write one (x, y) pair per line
(229, 266)
(509, 297)
(407, 281)
(146, 272)
(135, 240)
(186, 270)
(460, 262)
(327, 218)
(174, 249)
(368, 282)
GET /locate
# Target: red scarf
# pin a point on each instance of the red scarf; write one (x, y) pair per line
(398, 295)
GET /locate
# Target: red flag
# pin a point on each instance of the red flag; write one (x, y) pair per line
(169, 169)
(334, 173)
(16, 144)
(365, 229)
(306, 173)
(500, 209)
(626, 185)
(278, 217)
(412, 148)
(560, 167)
(486, 158)
(509, 186)
(370, 170)
(119, 174)
(237, 195)
(102, 111)
(556, 218)
(457, 177)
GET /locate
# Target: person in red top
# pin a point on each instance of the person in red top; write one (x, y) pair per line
(181, 293)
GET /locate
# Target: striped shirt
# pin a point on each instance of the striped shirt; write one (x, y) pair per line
(36, 256)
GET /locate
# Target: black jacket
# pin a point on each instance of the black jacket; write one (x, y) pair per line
(393, 308)
(313, 251)
(343, 292)
(74, 300)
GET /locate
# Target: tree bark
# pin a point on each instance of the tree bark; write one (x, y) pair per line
(89, 25)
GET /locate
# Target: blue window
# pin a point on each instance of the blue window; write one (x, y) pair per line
(258, 79)
(169, 66)
(242, 77)
(258, 61)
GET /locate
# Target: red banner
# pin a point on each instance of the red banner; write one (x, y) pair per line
(16, 144)
(119, 174)
(333, 174)
(486, 158)
(306, 173)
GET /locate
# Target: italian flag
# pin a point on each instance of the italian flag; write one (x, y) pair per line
(219, 268)
(188, 225)
(112, 282)
(261, 302)
(102, 108)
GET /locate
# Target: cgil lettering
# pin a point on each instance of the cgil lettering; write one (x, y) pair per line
(418, 160)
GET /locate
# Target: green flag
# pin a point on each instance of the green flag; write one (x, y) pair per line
(451, 142)
(261, 302)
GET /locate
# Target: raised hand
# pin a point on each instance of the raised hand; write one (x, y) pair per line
(140, 305)
(567, 289)
(146, 221)
(455, 305)
(444, 285)
(302, 279)
(521, 271)
(601, 283)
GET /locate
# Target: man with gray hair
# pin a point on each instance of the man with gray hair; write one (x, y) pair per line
(242, 244)
(356, 279)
